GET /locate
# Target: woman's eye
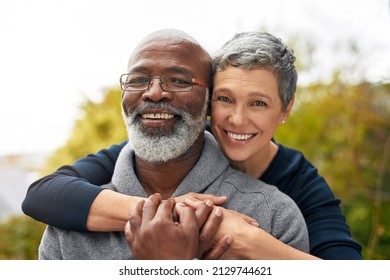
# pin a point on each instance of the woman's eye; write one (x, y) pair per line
(223, 99)
(259, 103)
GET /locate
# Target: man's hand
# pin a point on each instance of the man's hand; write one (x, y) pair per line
(155, 232)
(209, 219)
(152, 232)
(239, 227)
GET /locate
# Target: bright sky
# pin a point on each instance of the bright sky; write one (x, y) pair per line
(54, 54)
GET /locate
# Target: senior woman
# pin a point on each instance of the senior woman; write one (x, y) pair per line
(253, 93)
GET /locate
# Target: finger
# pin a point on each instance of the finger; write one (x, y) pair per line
(187, 218)
(209, 230)
(150, 207)
(165, 209)
(128, 233)
(194, 203)
(178, 209)
(248, 219)
(135, 218)
(220, 248)
(217, 200)
(202, 212)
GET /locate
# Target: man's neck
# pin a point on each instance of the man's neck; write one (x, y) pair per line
(164, 178)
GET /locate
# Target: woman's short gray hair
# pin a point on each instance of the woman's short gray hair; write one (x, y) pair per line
(260, 50)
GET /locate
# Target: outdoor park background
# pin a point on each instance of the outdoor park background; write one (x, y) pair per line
(60, 63)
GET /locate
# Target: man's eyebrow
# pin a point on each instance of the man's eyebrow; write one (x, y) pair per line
(139, 69)
(178, 69)
(173, 69)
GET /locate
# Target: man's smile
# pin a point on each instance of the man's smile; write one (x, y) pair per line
(157, 116)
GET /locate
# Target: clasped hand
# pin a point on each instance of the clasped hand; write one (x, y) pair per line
(164, 229)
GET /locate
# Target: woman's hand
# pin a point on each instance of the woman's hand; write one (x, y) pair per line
(216, 200)
(236, 228)
(196, 202)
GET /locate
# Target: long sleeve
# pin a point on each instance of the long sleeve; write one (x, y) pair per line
(329, 234)
(63, 198)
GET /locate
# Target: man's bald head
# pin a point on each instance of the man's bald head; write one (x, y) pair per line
(177, 41)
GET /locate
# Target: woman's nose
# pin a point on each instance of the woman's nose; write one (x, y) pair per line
(237, 117)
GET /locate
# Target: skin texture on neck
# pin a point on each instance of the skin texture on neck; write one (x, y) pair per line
(258, 163)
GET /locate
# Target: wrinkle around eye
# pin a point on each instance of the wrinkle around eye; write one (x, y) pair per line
(260, 103)
(223, 99)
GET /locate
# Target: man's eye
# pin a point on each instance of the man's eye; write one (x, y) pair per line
(179, 81)
(138, 80)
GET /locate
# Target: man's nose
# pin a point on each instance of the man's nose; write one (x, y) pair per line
(155, 92)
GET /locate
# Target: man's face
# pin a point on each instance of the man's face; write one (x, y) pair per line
(163, 125)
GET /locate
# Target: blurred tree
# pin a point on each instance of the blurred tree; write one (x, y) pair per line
(345, 131)
(19, 238)
(101, 126)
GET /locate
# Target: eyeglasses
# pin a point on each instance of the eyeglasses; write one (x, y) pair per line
(172, 82)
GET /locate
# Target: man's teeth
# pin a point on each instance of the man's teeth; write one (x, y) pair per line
(240, 136)
(163, 116)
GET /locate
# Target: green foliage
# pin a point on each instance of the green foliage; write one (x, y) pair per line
(345, 131)
(19, 238)
(101, 126)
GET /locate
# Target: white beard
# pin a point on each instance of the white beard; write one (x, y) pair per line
(157, 145)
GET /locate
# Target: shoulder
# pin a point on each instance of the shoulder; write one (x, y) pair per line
(250, 187)
(292, 159)
(293, 173)
(275, 211)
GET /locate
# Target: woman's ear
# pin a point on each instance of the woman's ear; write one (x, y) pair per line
(286, 112)
(290, 105)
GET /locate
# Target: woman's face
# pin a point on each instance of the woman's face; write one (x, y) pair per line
(245, 111)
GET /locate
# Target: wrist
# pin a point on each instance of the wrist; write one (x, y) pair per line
(247, 242)
(242, 245)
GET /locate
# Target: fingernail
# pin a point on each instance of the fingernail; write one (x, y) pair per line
(209, 203)
(218, 212)
(256, 224)
(229, 240)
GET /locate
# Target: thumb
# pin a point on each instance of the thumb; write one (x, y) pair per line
(128, 233)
